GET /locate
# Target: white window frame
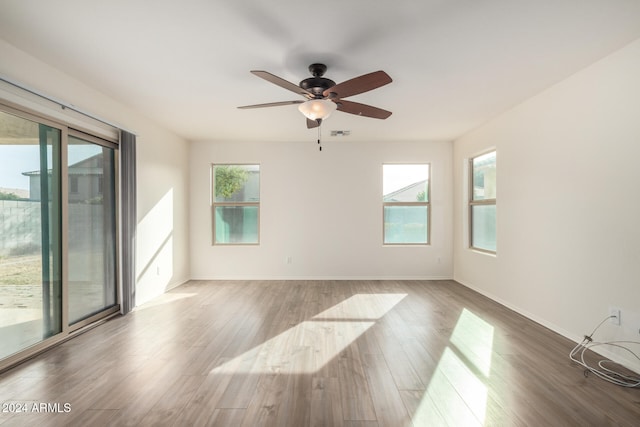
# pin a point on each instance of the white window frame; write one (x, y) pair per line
(427, 203)
(215, 204)
(480, 202)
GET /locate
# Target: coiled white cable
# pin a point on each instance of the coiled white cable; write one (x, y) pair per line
(608, 374)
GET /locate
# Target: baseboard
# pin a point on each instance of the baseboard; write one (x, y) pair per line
(311, 278)
(175, 284)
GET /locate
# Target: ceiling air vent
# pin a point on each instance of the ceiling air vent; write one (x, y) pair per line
(340, 132)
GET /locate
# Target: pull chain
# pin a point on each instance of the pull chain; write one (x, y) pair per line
(319, 137)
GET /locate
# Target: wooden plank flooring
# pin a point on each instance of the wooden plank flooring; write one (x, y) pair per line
(316, 353)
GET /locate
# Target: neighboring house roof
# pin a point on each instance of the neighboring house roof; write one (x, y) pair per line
(406, 194)
(89, 166)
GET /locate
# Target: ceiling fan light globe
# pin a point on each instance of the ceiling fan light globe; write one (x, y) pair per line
(315, 109)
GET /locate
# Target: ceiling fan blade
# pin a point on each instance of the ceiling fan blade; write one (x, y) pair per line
(358, 85)
(313, 123)
(362, 109)
(282, 83)
(270, 104)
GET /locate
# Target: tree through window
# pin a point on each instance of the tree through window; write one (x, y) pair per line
(236, 204)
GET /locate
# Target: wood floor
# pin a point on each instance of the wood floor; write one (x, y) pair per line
(315, 353)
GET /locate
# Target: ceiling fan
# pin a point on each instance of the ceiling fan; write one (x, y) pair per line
(323, 96)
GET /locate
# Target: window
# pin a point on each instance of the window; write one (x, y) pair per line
(31, 238)
(58, 246)
(92, 227)
(236, 204)
(482, 202)
(73, 184)
(405, 204)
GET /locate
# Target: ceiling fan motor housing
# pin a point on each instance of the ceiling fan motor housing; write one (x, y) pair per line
(317, 84)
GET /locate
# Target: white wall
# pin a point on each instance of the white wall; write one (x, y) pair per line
(568, 207)
(323, 209)
(162, 161)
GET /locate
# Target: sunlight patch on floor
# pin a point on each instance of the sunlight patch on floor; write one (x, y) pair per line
(458, 391)
(473, 337)
(325, 335)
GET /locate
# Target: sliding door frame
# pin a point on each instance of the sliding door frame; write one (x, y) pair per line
(68, 331)
(116, 308)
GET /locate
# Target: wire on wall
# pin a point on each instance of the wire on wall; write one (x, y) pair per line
(605, 369)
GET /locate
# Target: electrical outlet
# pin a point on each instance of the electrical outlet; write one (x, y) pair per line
(614, 312)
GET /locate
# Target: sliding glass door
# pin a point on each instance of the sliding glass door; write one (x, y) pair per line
(30, 233)
(92, 227)
(58, 232)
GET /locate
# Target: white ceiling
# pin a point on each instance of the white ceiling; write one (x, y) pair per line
(185, 64)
